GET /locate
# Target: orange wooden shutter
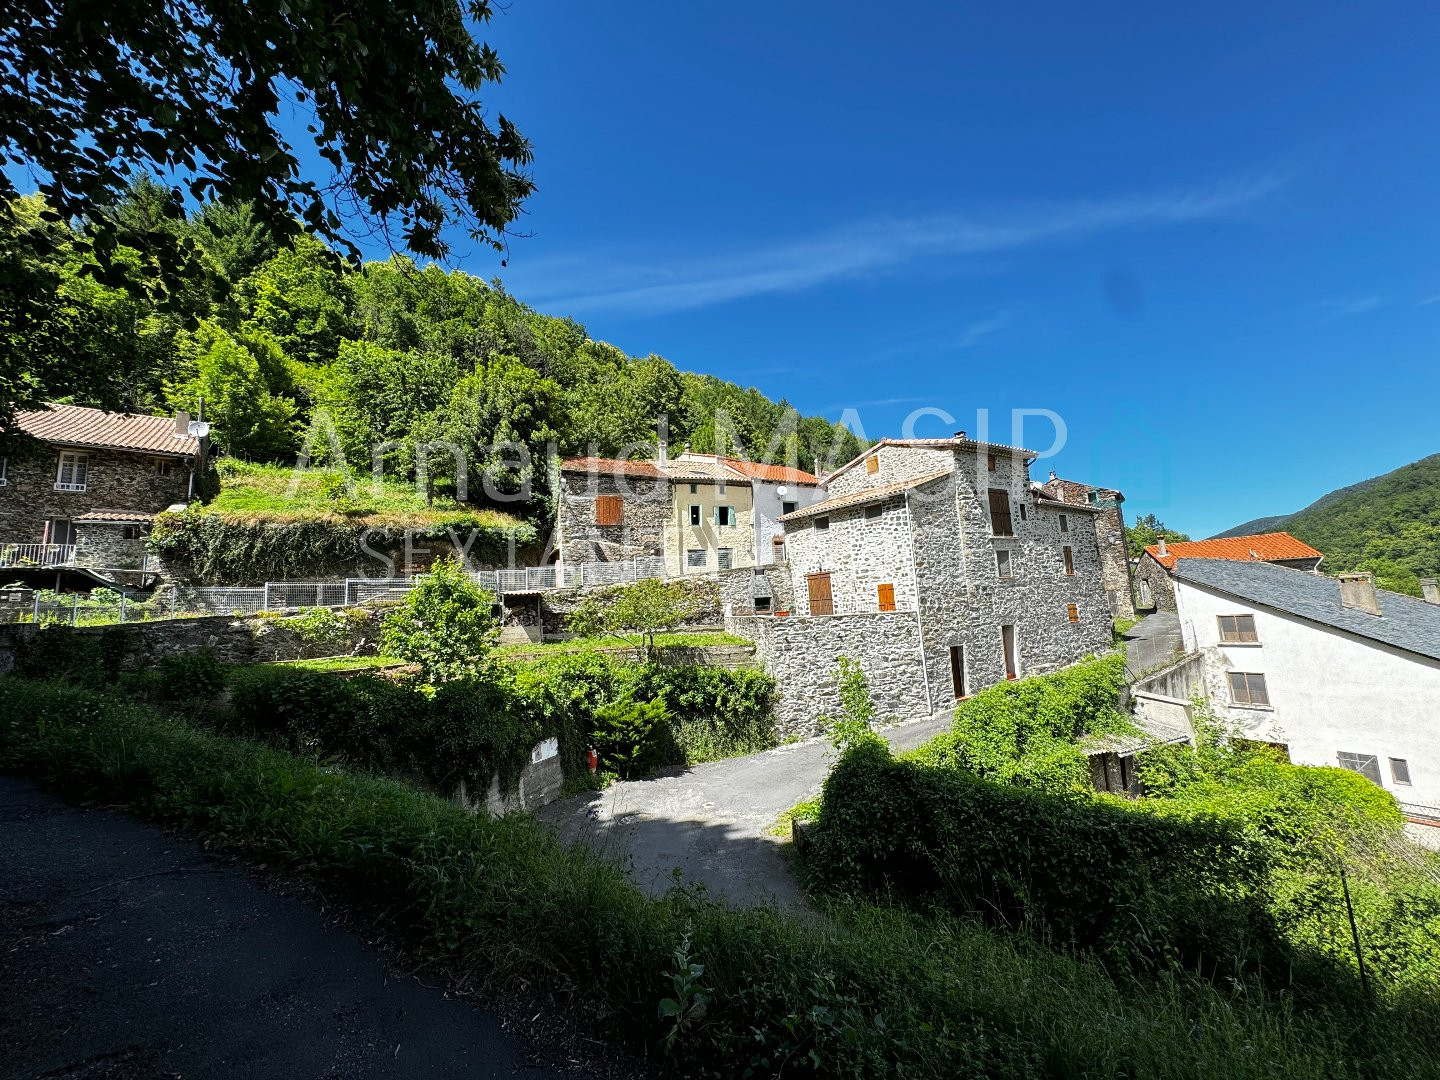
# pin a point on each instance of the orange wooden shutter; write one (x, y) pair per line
(820, 601)
(887, 597)
(609, 510)
(1072, 612)
(872, 464)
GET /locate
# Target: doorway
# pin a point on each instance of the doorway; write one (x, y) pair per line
(957, 670)
(1007, 639)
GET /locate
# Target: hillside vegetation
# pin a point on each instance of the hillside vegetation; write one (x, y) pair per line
(1388, 524)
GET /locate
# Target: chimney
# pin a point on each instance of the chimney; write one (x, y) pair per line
(182, 423)
(960, 435)
(1430, 589)
(1357, 592)
(1053, 477)
(1163, 550)
(662, 440)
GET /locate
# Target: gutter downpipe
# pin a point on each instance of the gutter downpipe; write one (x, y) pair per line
(919, 622)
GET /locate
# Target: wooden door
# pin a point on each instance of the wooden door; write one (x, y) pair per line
(1007, 639)
(820, 602)
(957, 670)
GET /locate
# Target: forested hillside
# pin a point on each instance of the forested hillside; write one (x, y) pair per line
(287, 344)
(1388, 524)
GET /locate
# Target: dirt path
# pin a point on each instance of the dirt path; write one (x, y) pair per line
(125, 953)
(710, 821)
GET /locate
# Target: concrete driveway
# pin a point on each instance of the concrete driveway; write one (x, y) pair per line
(709, 822)
(1152, 641)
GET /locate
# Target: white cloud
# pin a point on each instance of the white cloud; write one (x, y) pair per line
(861, 248)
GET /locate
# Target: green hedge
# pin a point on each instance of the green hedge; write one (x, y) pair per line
(1080, 873)
(864, 993)
(1026, 732)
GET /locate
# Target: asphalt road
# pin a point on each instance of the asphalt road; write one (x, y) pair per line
(125, 953)
(710, 821)
(1152, 641)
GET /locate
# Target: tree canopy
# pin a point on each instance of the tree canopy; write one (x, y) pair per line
(1150, 530)
(194, 89)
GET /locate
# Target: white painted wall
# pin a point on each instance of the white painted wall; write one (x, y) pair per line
(768, 507)
(1329, 690)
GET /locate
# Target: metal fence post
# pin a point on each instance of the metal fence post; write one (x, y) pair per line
(75, 610)
(35, 616)
(122, 607)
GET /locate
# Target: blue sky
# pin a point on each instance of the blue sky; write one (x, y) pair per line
(1207, 239)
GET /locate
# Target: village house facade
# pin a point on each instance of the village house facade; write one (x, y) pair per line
(1110, 532)
(1154, 573)
(941, 569)
(85, 498)
(777, 490)
(1333, 670)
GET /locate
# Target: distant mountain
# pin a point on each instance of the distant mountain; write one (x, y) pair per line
(1389, 524)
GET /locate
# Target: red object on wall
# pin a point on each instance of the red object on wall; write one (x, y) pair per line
(592, 759)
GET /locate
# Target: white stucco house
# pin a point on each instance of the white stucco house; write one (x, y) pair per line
(778, 489)
(1331, 668)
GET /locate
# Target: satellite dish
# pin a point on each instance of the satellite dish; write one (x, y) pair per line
(782, 491)
(199, 428)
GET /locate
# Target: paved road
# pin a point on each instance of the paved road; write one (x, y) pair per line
(124, 953)
(710, 821)
(1152, 641)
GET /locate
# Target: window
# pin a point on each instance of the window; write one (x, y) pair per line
(1007, 644)
(1400, 771)
(1237, 628)
(695, 558)
(74, 470)
(4, 471)
(886, 596)
(1365, 764)
(1248, 688)
(990, 462)
(789, 507)
(694, 515)
(957, 670)
(694, 489)
(130, 532)
(1072, 612)
(1002, 563)
(726, 558)
(608, 510)
(822, 523)
(725, 516)
(872, 465)
(1069, 561)
(819, 589)
(874, 511)
(1023, 516)
(1064, 523)
(1000, 523)
(163, 467)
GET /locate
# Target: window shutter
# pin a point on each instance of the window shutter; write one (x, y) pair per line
(609, 510)
(1072, 612)
(1000, 523)
(887, 597)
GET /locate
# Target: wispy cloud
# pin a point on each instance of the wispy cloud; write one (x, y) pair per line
(973, 333)
(1347, 308)
(1429, 300)
(868, 247)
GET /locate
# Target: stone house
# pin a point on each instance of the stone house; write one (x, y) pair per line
(941, 569)
(83, 500)
(1332, 670)
(1110, 530)
(1154, 573)
(777, 490)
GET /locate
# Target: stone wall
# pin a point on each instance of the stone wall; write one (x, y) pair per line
(647, 512)
(556, 607)
(861, 548)
(1153, 583)
(802, 653)
(739, 589)
(114, 481)
(240, 641)
(895, 463)
(1110, 530)
(109, 545)
(733, 657)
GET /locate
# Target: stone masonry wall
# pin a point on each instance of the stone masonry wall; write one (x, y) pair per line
(860, 552)
(1153, 580)
(641, 532)
(103, 545)
(896, 463)
(802, 653)
(739, 588)
(1110, 530)
(114, 481)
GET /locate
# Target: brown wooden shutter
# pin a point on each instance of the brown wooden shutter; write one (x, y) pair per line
(872, 465)
(1072, 612)
(887, 597)
(609, 510)
(820, 602)
(1000, 522)
(1069, 562)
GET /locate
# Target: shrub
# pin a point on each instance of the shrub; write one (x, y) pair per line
(714, 712)
(445, 625)
(630, 735)
(192, 676)
(643, 608)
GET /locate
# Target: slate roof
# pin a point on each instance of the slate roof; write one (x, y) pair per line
(772, 474)
(860, 498)
(1404, 622)
(1151, 733)
(1266, 547)
(75, 425)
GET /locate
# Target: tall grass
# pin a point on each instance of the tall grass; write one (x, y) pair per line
(864, 991)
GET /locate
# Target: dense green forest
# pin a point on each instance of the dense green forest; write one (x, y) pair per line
(291, 347)
(1388, 524)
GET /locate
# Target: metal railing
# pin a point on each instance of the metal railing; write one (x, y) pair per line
(37, 554)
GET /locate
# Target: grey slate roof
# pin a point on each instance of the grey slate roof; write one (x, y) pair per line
(1149, 733)
(1404, 621)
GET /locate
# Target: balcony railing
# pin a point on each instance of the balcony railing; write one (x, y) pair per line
(37, 554)
(68, 487)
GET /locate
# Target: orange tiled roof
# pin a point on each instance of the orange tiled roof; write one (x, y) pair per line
(75, 425)
(613, 466)
(1266, 547)
(772, 474)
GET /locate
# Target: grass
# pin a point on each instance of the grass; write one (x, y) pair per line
(865, 991)
(531, 650)
(343, 663)
(1122, 627)
(252, 492)
(805, 811)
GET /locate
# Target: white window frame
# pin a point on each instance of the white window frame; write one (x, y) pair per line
(79, 464)
(4, 472)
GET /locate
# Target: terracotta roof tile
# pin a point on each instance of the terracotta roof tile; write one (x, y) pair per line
(772, 474)
(130, 517)
(75, 425)
(1264, 547)
(614, 466)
